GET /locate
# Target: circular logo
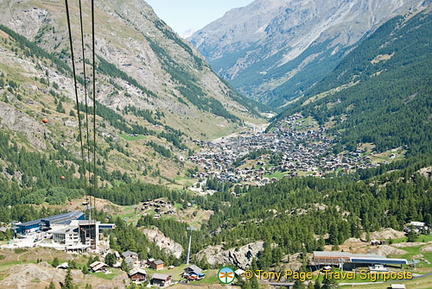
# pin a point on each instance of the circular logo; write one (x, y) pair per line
(226, 275)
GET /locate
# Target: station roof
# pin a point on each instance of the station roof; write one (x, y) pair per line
(68, 216)
(357, 258)
(30, 223)
(383, 260)
(55, 219)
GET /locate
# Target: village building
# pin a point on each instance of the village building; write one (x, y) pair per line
(157, 265)
(193, 272)
(130, 262)
(131, 254)
(193, 269)
(418, 227)
(98, 266)
(138, 275)
(162, 280)
(63, 265)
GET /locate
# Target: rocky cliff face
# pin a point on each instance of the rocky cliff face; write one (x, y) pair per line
(274, 50)
(241, 257)
(163, 242)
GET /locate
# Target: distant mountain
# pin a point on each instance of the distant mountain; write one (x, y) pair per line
(155, 92)
(274, 50)
(188, 33)
(381, 92)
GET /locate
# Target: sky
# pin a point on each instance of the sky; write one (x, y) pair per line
(183, 15)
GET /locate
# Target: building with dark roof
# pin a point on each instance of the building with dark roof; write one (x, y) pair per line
(138, 275)
(157, 265)
(131, 254)
(193, 269)
(348, 260)
(44, 224)
(161, 279)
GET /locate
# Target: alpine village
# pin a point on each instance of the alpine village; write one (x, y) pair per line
(288, 144)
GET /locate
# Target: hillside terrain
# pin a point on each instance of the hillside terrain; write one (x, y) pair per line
(155, 93)
(381, 92)
(275, 50)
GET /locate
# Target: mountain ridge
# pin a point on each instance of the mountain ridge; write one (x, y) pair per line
(130, 49)
(380, 93)
(297, 42)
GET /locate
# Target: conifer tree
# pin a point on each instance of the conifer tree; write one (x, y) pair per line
(68, 282)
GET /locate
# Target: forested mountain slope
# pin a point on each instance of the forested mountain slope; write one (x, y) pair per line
(163, 71)
(276, 50)
(381, 92)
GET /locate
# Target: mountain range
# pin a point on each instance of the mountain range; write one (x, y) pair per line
(275, 50)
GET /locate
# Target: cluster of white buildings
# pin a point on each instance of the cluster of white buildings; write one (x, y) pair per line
(69, 231)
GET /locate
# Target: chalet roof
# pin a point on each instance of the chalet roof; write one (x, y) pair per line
(193, 268)
(158, 276)
(158, 262)
(97, 265)
(137, 271)
(129, 254)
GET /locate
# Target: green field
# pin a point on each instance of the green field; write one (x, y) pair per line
(114, 273)
(132, 138)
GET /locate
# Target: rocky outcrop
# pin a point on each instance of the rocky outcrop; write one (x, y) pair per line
(163, 242)
(240, 257)
(17, 121)
(385, 234)
(385, 250)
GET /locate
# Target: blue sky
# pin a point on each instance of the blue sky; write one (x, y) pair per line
(182, 15)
